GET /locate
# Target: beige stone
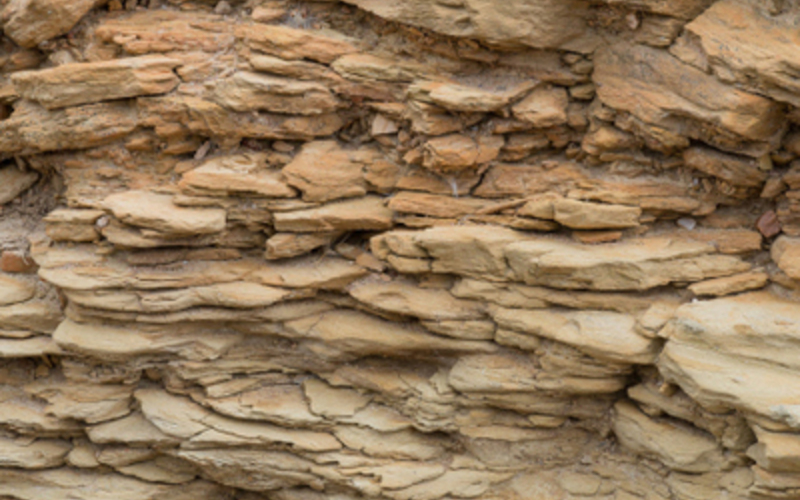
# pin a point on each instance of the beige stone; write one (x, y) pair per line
(32, 128)
(30, 22)
(678, 446)
(739, 171)
(731, 284)
(286, 245)
(14, 290)
(405, 297)
(480, 98)
(786, 254)
(285, 42)
(247, 173)
(245, 91)
(362, 334)
(324, 171)
(550, 24)
(459, 152)
(362, 214)
(764, 61)
(366, 67)
(14, 182)
(84, 83)
(681, 98)
(583, 215)
(777, 452)
(434, 205)
(157, 211)
(605, 335)
(684, 9)
(544, 107)
(38, 454)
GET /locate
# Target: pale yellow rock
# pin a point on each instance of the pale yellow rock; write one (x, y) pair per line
(678, 446)
(70, 484)
(285, 42)
(362, 334)
(280, 404)
(459, 152)
(718, 381)
(367, 67)
(605, 335)
(324, 171)
(14, 182)
(179, 417)
(119, 343)
(329, 401)
(310, 272)
(764, 63)
(684, 9)
(84, 83)
(362, 214)
(30, 22)
(286, 245)
(406, 297)
(777, 452)
(14, 290)
(30, 347)
(514, 374)
(246, 173)
(458, 483)
(544, 107)
(401, 445)
(480, 98)
(548, 24)
(583, 215)
(133, 430)
(32, 128)
(38, 454)
(435, 205)
(157, 211)
(737, 170)
(786, 254)
(91, 403)
(679, 97)
(731, 284)
(245, 91)
(404, 474)
(164, 469)
(33, 315)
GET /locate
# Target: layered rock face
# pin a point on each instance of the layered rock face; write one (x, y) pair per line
(399, 250)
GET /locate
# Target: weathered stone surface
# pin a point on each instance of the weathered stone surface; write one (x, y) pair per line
(245, 91)
(547, 24)
(660, 90)
(731, 284)
(685, 9)
(324, 171)
(14, 182)
(363, 214)
(467, 98)
(763, 60)
(14, 290)
(786, 253)
(85, 83)
(405, 297)
(30, 22)
(605, 335)
(738, 171)
(31, 128)
(39, 454)
(156, 211)
(544, 107)
(292, 43)
(678, 446)
(582, 215)
(457, 152)
(246, 173)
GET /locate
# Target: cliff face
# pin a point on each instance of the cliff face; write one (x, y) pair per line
(403, 250)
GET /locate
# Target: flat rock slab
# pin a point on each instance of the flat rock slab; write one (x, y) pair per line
(362, 214)
(30, 22)
(246, 173)
(746, 44)
(246, 91)
(84, 83)
(660, 90)
(157, 211)
(14, 182)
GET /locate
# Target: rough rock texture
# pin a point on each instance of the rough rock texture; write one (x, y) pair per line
(399, 250)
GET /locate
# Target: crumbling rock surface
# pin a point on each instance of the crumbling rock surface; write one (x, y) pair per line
(399, 250)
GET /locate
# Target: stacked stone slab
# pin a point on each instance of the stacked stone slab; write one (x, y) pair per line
(408, 250)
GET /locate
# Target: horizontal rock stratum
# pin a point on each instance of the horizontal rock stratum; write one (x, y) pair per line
(399, 250)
